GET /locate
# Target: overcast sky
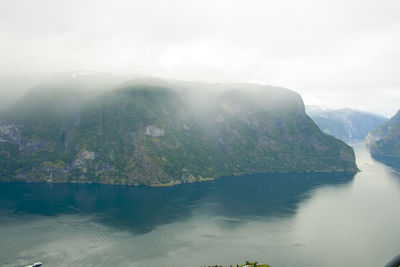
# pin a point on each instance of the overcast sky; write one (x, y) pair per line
(333, 52)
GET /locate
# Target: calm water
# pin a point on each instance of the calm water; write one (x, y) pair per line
(284, 220)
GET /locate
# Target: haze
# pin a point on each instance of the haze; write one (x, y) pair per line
(334, 53)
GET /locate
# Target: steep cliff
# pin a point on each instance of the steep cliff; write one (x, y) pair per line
(154, 133)
(384, 141)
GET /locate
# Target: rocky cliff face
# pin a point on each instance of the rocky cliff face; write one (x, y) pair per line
(163, 134)
(384, 141)
(267, 129)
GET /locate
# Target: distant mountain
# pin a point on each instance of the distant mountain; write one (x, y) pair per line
(157, 132)
(384, 141)
(345, 124)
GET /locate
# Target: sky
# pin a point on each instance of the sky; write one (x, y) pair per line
(341, 53)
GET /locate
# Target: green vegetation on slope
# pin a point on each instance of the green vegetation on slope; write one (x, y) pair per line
(143, 134)
(384, 141)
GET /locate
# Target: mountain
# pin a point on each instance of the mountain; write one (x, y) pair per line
(158, 132)
(384, 141)
(346, 124)
(12, 87)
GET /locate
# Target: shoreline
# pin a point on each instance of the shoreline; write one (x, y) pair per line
(172, 183)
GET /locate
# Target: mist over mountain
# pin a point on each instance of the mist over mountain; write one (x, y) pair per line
(176, 133)
(104, 128)
(346, 124)
(13, 87)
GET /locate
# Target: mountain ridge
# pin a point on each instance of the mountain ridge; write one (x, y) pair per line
(347, 124)
(384, 141)
(141, 133)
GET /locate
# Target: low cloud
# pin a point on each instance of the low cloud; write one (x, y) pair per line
(341, 52)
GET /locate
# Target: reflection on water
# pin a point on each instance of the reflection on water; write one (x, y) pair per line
(141, 209)
(331, 219)
(389, 161)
